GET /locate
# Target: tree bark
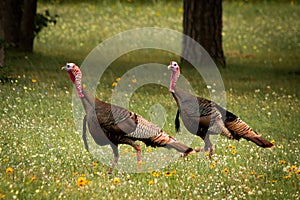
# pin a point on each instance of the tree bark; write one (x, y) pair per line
(1, 35)
(27, 25)
(11, 11)
(202, 21)
(18, 23)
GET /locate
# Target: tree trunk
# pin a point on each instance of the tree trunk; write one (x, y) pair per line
(202, 21)
(1, 35)
(27, 25)
(11, 11)
(18, 23)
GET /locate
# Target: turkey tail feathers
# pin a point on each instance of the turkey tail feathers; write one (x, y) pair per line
(260, 141)
(170, 142)
(240, 129)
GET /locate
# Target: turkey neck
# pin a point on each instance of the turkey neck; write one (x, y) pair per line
(174, 78)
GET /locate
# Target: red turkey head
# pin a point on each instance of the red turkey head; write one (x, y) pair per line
(75, 75)
(174, 67)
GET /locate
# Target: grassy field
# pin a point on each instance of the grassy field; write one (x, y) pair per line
(43, 156)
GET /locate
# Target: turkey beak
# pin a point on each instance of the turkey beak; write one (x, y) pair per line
(169, 67)
(63, 68)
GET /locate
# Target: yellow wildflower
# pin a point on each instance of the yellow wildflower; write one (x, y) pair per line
(81, 181)
(33, 80)
(226, 171)
(116, 181)
(282, 162)
(168, 174)
(297, 172)
(151, 182)
(133, 80)
(231, 147)
(118, 79)
(233, 151)
(9, 170)
(193, 176)
(95, 164)
(2, 196)
(87, 182)
(141, 163)
(293, 167)
(273, 141)
(212, 166)
(33, 179)
(259, 176)
(114, 84)
(287, 176)
(155, 174)
(289, 170)
(173, 172)
(252, 172)
(274, 181)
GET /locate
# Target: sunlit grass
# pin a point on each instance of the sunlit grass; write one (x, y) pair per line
(43, 156)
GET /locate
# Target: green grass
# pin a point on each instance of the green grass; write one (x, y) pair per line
(40, 142)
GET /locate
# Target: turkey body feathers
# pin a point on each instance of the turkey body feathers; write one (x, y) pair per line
(212, 119)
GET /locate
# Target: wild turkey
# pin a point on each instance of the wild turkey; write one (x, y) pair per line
(203, 117)
(112, 125)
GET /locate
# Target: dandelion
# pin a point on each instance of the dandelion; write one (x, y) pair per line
(114, 84)
(287, 176)
(233, 151)
(116, 181)
(33, 80)
(9, 170)
(81, 181)
(226, 171)
(193, 176)
(282, 162)
(118, 79)
(151, 182)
